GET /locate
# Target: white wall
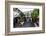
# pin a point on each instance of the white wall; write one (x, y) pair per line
(2, 18)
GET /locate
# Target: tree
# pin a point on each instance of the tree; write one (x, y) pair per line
(22, 15)
(35, 14)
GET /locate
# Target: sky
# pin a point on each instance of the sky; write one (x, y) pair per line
(25, 9)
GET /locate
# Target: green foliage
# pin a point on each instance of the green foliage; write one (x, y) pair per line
(21, 16)
(35, 14)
